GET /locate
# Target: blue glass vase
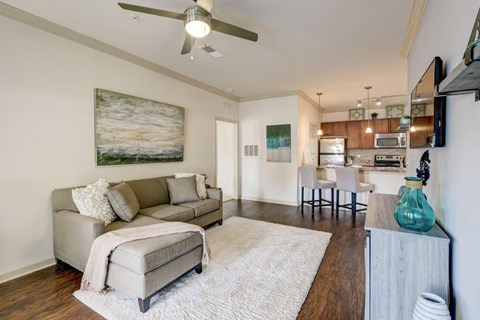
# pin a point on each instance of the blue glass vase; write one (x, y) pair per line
(413, 211)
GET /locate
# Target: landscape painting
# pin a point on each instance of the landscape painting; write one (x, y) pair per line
(131, 130)
(278, 143)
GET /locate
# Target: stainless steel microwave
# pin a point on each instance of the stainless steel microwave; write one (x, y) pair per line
(390, 140)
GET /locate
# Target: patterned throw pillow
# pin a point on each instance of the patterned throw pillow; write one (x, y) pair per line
(200, 179)
(92, 201)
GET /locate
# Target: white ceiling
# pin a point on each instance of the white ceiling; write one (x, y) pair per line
(336, 46)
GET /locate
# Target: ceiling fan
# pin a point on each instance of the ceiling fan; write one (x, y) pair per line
(198, 22)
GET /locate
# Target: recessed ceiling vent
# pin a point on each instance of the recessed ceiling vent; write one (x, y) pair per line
(212, 51)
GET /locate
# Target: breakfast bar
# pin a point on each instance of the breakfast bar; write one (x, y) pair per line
(385, 180)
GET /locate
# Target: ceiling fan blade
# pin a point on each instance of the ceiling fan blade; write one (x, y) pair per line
(188, 44)
(232, 30)
(205, 4)
(157, 12)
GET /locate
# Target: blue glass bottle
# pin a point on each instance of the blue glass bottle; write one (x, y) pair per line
(413, 211)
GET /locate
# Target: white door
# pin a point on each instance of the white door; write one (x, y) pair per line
(226, 162)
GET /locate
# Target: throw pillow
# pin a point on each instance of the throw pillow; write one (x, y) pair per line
(182, 190)
(200, 182)
(92, 201)
(123, 201)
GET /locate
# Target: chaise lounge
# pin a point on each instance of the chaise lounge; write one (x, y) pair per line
(139, 268)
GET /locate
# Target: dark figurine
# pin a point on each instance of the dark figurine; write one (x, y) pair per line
(424, 171)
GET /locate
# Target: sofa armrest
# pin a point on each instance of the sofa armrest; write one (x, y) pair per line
(73, 236)
(215, 193)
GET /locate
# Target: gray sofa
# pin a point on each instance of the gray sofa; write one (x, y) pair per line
(73, 233)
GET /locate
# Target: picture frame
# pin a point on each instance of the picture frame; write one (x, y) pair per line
(133, 130)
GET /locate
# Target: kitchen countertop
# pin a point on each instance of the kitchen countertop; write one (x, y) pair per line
(369, 169)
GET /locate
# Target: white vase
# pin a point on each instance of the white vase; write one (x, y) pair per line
(430, 307)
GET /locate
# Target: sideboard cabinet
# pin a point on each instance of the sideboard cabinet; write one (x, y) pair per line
(400, 264)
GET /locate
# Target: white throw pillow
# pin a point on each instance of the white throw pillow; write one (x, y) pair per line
(199, 178)
(92, 201)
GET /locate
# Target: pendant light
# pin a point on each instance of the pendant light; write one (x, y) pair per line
(319, 94)
(369, 129)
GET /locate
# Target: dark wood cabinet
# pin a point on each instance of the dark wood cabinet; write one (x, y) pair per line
(381, 126)
(327, 128)
(338, 129)
(421, 137)
(355, 131)
(394, 124)
(353, 135)
(366, 139)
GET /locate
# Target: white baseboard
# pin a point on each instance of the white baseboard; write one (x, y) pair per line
(287, 203)
(26, 270)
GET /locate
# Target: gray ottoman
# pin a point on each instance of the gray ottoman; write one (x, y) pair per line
(142, 268)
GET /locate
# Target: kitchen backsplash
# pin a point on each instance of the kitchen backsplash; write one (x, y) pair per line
(367, 156)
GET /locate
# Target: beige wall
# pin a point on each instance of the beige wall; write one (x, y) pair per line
(47, 131)
(261, 180)
(453, 188)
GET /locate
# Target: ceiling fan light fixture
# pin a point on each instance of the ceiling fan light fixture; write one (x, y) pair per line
(378, 102)
(197, 22)
(359, 103)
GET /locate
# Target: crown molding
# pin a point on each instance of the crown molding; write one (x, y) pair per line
(298, 93)
(63, 32)
(416, 16)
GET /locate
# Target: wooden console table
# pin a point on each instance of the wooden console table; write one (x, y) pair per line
(400, 264)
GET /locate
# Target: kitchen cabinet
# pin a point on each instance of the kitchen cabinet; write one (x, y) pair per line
(353, 135)
(381, 126)
(400, 264)
(366, 139)
(394, 124)
(424, 127)
(337, 129)
(355, 131)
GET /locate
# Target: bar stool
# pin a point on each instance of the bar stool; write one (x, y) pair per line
(310, 180)
(348, 180)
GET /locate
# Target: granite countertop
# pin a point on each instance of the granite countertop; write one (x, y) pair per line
(368, 168)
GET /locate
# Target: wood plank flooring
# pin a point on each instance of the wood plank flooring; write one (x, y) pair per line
(336, 293)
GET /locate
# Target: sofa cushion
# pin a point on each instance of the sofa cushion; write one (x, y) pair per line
(123, 201)
(92, 201)
(169, 213)
(150, 192)
(202, 207)
(182, 190)
(142, 256)
(139, 221)
(200, 181)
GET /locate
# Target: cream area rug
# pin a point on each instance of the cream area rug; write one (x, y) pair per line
(258, 270)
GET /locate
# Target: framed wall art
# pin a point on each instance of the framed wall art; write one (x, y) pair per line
(395, 111)
(279, 143)
(130, 130)
(356, 114)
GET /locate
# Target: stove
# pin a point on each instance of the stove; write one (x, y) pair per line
(388, 160)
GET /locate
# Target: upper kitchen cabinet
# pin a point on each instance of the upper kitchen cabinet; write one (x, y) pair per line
(356, 136)
(337, 129)
(353, 135)
(366, 139)
(355, 131)
(423, 134)
(394, 124)
(381, 126)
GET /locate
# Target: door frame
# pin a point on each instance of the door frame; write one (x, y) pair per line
(236, 162)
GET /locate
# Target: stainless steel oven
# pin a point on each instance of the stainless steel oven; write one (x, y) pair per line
(390, 140)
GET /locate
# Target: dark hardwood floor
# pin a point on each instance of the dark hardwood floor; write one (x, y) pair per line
(336, 293)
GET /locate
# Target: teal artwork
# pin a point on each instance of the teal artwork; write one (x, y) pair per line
(130, 130)
(279, 143)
